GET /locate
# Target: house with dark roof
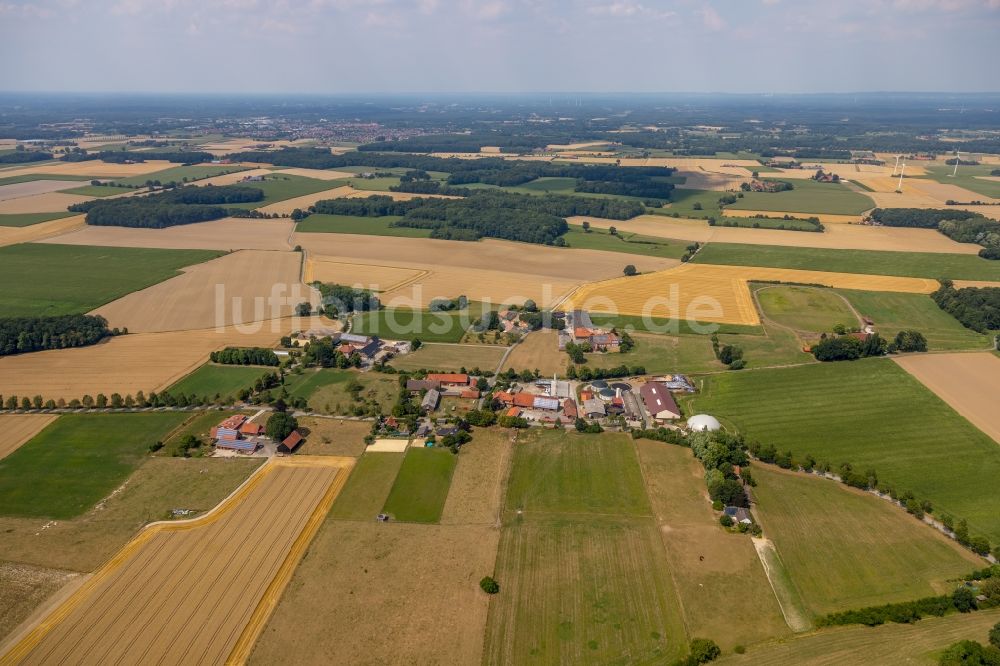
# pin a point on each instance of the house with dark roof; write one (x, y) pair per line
(739, 514)
(659, 402)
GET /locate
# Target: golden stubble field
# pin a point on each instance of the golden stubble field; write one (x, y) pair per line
(47, 202)
(229, 233)
(40, 231)
(237, 288)
(92, 168)
(128, 363)
(196, 591)
(836, 236)
(413, 271)
(970, 383)
(17, 429)
(715, 293)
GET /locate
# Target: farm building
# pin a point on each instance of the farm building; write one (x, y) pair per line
(415, 386)
(229, 429)
(449, 379)
(431, 400)
(569, 408)
(238, 445)
(738, 514)
(594, 408)
(249, 429)
(543, 402)
(703, 422)
(288, 444)
(659, 402)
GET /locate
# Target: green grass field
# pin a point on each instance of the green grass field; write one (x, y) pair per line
(893, 312)
(350, 224)
(804, 308)
(44, 279)
(865, 552)
(558, 472)
(367, 488)
(179, 173)
(381, 184)
(406, 324)
(284, 186)
(77, 461)
(967, 177)
(629, 243)
(663, 354)
(670, 327)
(421, 487)
(582, 570)
(96, 191)
(870, 413)
(222, 380)
(808, 196)
(306, 383)
(869, 262)
(450, 358)
(550, 185)
(327, 392)
(28, 219)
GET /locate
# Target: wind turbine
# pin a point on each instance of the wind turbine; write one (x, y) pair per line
(958, 158)
(899, 188)
(895, 168)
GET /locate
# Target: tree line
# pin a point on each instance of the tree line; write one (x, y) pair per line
(21, 335)
(339, 298)
(977, 308)
(23, 156)
(124, 156)
(849, 347)
(184, 205)
(245, 356)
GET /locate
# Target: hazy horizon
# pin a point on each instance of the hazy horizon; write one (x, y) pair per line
(500, 46)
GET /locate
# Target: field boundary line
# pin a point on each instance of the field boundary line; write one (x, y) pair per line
(272, 595)
(795, 618)
(23, 645)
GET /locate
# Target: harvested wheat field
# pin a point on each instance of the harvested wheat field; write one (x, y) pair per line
(416, 270)
(719, 294)
(318, 174)
(396, 196)
(40, 231)
(48, 202)
(90, 168)
(17, 429)
(237, 288)
(538, 350)
(946, 191)
(230, 233)
(197, 591)
(480, 478)
(368, 593)
(232, 178)
(33, 187)
(825, 218)
(128, 363)
(288, 205)
(710, 180)
(970, 383)
(836, 236)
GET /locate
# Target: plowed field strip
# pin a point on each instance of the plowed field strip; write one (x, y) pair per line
(191, 592)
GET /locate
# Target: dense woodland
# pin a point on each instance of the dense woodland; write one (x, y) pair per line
(338, 298)
(961, 226)
(29, 334)
(486, 213)
(184, 205)
(977, 308)
(245, 356)
(122, 156)
(24, 156)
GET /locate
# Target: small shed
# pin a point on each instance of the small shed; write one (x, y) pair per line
(289, 443)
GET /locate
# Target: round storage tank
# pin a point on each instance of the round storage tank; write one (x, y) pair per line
(703, 422)
(606, 394)
(599, 384)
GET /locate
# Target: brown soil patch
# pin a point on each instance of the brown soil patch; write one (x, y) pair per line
(233, 178)
(492, 270)
(333, 437)
(825, 218)
(49, 202)
(226, 234)
(43, 230)
(368, 593)
(237, 288)
(836, 236)
(969, 383)
(318, 174)
(19, 428)
(34, 187)
(539, 349)
(128, 363)
(199, 590)
(477, 487)
(23, 588)
(718, 293)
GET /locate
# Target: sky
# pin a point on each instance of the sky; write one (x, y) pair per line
(363, 46)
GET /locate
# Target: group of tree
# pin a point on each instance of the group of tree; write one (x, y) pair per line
(323, 353)
(19, 335)
(586, 373)
(126, 156)
(185, 205)
(280, 425)
(341, 299)
(245, 356)
(23, 156)
(977, 308)
(961, 226)
(907, 612)
(848, 347)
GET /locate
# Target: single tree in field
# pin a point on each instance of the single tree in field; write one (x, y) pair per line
(586, 226)
(630, 270)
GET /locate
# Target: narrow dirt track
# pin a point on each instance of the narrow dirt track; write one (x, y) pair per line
(194, 592)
